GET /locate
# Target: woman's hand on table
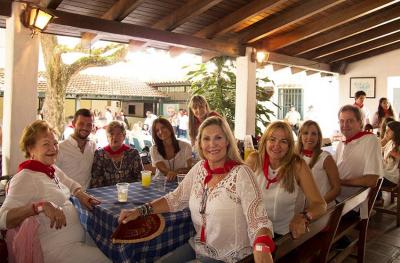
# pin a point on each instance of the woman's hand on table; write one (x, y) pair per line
(128, 215)
(298, 226)
(87, 200)
(55, 214)
(171, 176)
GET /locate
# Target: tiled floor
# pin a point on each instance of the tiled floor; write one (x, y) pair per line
(383, 241)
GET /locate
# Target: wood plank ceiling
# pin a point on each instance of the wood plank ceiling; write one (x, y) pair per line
(323, 35)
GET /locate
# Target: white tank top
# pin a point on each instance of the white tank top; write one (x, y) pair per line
(319, 174)
(280, 204)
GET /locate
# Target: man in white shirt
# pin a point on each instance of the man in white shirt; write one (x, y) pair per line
(358, 158)
(293, 118)
(76, 153)
(359, 98)
(150, 117)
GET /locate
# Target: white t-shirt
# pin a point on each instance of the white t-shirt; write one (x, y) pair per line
(390, 165)
(293, 117)
(360, 157)
(184, 122)
(74, 163)
(234, 212)
(180, 159)
(58, 245)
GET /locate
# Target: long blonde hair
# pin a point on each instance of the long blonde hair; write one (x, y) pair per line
(195, 101)
(287, 169)
(317, 148)
(232, 151)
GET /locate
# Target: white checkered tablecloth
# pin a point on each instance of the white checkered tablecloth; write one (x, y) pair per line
(101, 222)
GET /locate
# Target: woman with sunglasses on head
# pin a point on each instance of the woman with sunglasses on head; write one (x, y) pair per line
(321, 163)
(198, 112)
(282, 175)
(219, 191)
(169, 155)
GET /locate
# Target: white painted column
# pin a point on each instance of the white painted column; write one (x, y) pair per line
(20, 94)
(245, 113)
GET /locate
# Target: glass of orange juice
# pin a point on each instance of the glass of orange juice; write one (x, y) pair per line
(146, 178)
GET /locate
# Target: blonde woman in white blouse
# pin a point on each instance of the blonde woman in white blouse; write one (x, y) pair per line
(224, 201)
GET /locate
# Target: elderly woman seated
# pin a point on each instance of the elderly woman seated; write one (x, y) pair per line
(169, 155)
(39, 194)
(117, 162)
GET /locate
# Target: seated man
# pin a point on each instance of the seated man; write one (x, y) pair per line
(75, 157)
(358, 158)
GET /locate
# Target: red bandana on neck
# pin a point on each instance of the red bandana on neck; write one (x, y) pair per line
(358, 135)
(219, 170)
(358, 105)
(266, 172)
(37, 167)
(307, 153)
(122, 149)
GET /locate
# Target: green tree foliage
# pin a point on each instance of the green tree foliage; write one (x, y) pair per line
(216, 81)
(59, 74)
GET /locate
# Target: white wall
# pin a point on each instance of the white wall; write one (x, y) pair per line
(382, 67)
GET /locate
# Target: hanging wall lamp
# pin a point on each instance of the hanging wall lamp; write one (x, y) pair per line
(36, 18)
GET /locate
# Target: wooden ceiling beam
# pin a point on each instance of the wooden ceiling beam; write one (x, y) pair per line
(371, 53)
(184, 13)
(6, 8)
(312, 72)
(276, 58)
(288, 17)
(141, 33)
(52, 4)
(229, 22)
(135, 45)
(379, 42)
(357, 39)
(359, 25)
(295, 70)
(118, 11)
(340, 17)
(276, 67)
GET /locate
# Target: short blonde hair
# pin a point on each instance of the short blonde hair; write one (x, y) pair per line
(232, 151)
(31, 133)
(116, 124)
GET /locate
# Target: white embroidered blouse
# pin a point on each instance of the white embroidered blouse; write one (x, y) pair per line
(234, 212)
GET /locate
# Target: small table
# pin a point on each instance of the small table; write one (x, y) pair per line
(102, 221)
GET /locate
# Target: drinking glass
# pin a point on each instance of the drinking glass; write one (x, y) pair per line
(122, 192)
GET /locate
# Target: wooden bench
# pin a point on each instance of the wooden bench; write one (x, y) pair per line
(393, 208)
(348, 225)
(315, 245)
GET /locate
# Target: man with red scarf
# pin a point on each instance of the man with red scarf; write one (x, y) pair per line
(359, 98)
(358, 158)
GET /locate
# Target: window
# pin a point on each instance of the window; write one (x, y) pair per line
(132, 109)
(288, 97)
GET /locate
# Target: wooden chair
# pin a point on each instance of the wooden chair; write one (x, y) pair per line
(286, 245)
(347, 225)
(394, 193)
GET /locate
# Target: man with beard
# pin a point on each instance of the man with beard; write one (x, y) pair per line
(76, 153)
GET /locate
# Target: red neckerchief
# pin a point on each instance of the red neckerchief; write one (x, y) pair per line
(266, 172)
(228, 165)
(358, 105)
(308, 153)
(37, 167)
(358, 135)
(122, 149)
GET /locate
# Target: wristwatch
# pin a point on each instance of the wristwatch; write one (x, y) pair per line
(262, 248)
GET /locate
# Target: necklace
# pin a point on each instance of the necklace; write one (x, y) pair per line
(173, 164)
(118, 171)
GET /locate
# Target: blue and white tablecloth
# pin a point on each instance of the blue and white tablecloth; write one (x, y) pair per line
(102, 221)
